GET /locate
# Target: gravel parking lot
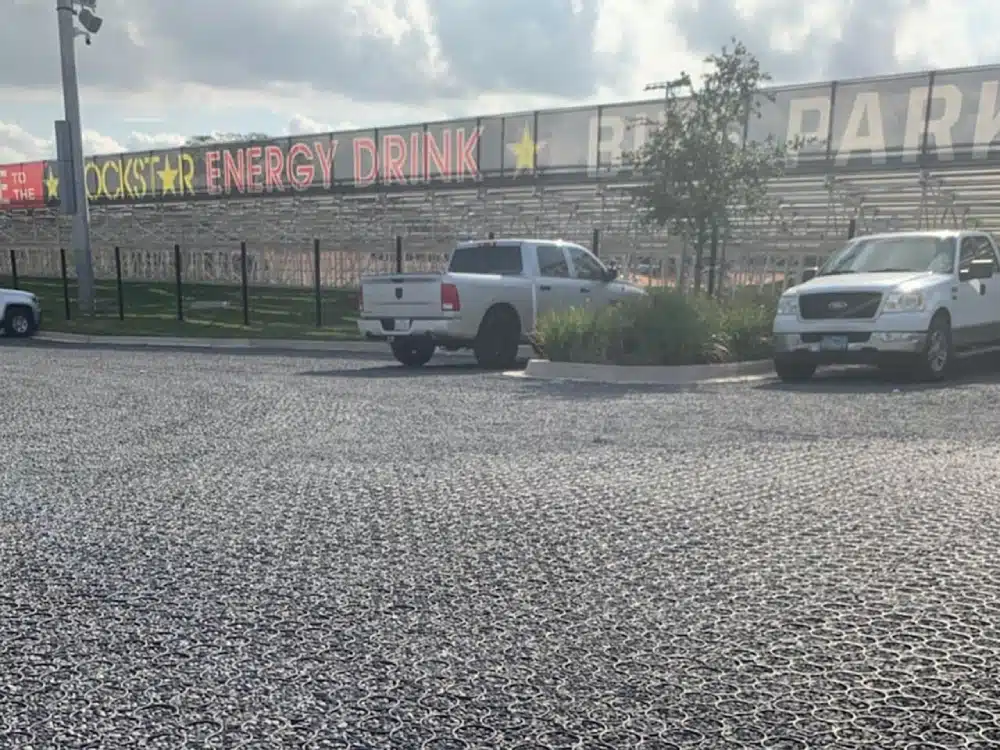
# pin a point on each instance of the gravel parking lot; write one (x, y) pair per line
(202, 550)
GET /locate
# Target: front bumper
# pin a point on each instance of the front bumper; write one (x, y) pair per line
(874, 348)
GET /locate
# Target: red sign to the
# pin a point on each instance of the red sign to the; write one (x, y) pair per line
(22, 185)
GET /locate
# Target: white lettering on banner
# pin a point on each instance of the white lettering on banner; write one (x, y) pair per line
(797, 109)
(604, 147)
(863, 130)
(611, 135)
(866, 115)
(939, 129)
(987, 120)
(860, 120)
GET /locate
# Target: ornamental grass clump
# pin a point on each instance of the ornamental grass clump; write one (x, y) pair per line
(662, 327)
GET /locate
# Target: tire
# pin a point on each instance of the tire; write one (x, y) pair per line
(937, 359)
(19, 322)
(498, 339)
(413, 351)
(794, 372)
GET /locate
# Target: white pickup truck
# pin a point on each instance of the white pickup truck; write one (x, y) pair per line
(20, 313)
(488, 299)
(909, 302)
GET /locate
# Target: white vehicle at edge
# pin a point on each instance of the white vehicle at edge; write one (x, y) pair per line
(487, 300)
(20, 313)
(903, 301)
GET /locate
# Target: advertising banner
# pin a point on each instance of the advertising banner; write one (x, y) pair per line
(942, 118)
(21, 185)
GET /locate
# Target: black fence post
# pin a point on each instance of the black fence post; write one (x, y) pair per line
(852, 228)
(595, 244)
(399, 253)
(177, 277)
(13, 268)
(317, 283)
(244, 286)
(118, 280)
(65, 280)
(713, 258)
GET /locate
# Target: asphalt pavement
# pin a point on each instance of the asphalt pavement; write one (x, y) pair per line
(205, 550)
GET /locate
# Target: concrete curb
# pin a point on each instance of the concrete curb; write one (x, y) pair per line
(543, 369)
(365, 347)
(379, 348)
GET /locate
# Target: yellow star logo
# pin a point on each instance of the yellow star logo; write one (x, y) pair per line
(52, 185)
(168, 176)
(525, 152)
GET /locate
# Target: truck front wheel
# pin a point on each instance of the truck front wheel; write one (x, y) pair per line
(19, 321)
(935, 362)
(413, 351)
(793, 371)
(498, 338)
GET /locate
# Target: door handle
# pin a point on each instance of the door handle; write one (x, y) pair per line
(545, 288)
(584, 289)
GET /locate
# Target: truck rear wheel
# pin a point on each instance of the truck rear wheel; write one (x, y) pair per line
(413, 351)
(498, 339)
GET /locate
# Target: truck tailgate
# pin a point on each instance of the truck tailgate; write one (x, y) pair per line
(410, 295)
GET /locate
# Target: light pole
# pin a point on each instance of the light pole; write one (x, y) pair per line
(80, 236)
(667, 87)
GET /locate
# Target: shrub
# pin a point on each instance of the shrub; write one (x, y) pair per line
(578, 335)
(662, 327)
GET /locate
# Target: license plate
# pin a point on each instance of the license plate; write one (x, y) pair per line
(402, 324)
(833, 343)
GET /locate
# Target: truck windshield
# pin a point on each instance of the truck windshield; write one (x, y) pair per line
(487, 259)
(884, 254)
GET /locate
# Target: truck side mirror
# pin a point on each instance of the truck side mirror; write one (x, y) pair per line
(977, 269)
(809, 273)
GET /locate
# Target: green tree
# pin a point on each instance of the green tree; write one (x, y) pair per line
(695, 173)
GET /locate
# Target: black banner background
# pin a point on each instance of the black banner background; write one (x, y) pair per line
(874, 124)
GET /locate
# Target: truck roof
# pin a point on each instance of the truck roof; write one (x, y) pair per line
(512, 241)
(941, 233)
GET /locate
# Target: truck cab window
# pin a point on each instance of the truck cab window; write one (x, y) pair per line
(586, 266)
(552, 262)
(978, 248)
(487, 259)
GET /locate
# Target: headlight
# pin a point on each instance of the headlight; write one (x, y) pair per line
(903, 302)
(788, 305)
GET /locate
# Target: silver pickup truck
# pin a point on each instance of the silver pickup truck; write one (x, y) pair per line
(488, 299)
(20, 313)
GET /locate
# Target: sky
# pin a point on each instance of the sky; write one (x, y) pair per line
(159, 71)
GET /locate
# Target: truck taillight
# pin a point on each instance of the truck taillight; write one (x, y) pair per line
(449, 298)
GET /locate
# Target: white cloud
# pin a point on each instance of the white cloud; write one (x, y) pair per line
(18, 145)
(302, 125)
(152, 141)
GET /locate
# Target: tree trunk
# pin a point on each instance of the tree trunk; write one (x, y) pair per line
(713, 258)
(699, 255)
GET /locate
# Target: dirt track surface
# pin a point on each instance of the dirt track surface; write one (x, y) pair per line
(204, 551)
